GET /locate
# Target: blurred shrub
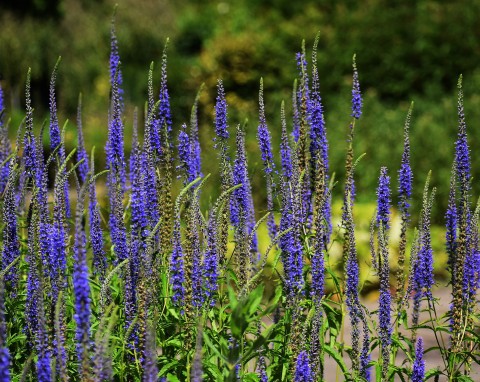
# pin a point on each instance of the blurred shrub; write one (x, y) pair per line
(406, 50)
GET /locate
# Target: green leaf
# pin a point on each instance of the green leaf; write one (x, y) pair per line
(332, 352)
(260, 341)
(169, 366)
(214, 348)
(244, 312)
(432, 373)
(172, 378)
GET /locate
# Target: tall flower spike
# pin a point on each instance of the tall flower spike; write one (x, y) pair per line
(81, 287)
(118, 230)
(138, 197)
(383, 200)
(5, 148)
(285, 151)
(195, 149)
(318, 267)
(2, 106)
(96, 234)
(351, 281)
(38, 300)
(211, 258)
(33, 277)
(418, 373)
(303, 101)
(195, 220)
(197, 372)
(177, 266)
(115, 143)
(150, 372)
(11, 245)
(44, 354)
(60, 352)
(83, 169)
(221, 127)
(287, 241)
(295, 253)
(451, 222)
(316, 344)
(186, 159)
(177, 261)
(302, 368)
(222, 135)
(462, 151)
(365, 354)
(405, 176)
(210, 262)
(463, 245)
(318, 136)
(405, 179)
(153, 146)
(55, 136)
(384, 309)
(164, 113)
(263, 135)
(115, 70)
(356, 95)
(350, 253)
(29, 151)
(243, 214)
(296, 113)
(47, 231)
(471, 279)
(264, 141)
(59, 237)
(318, 143)
(150, 147)
(4, 353)
(423, 267)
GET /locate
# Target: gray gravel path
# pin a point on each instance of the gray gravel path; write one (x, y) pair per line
(433, 358)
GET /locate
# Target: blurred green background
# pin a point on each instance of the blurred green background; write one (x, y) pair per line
(409, 50)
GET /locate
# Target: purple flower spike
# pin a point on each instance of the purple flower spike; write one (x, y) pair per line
(55, 139)
(11, 245)
(221, 127)
(188, 163)
(195, 149)
(4, 353)
(177, 266)
(29, 150)
(405, 175)
(285, 151)
(96, 234)
(418, 373)
(81, 287)
(264, 141)
(356, 95)
(383, 200)
(164, 121)
(2, 106)
(263, 135)
(115, 71)
(462, 151)
(115, 144)
(451, 222)
(210, 271)
(5, 148)
(303, 372)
